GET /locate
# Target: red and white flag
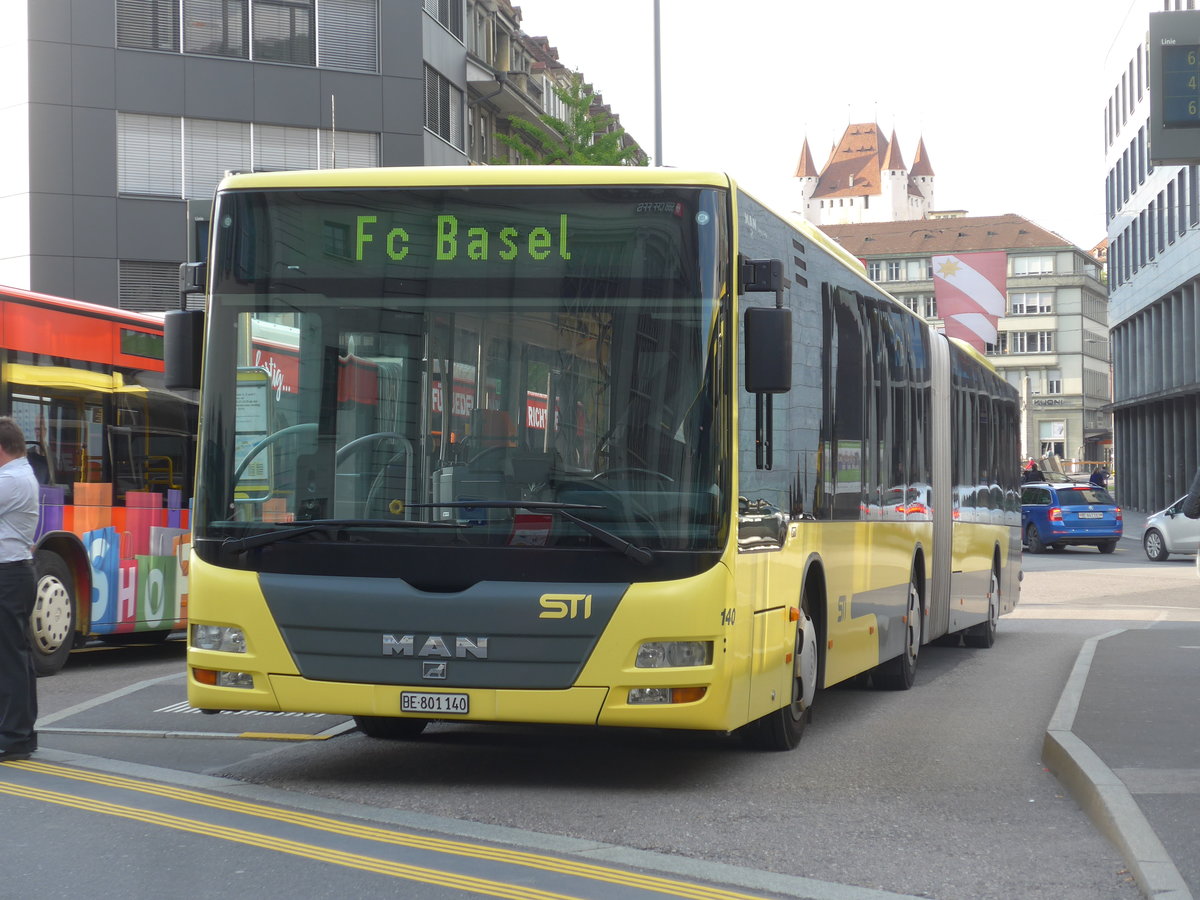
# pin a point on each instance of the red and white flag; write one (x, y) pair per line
(969, 289)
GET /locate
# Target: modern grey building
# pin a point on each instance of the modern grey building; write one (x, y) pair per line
(1153, 215)
(120, 116)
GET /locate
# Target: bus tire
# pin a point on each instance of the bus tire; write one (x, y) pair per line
(390, 727)
(983, 635)
(783, 728)
(52, 625)
(899, 673)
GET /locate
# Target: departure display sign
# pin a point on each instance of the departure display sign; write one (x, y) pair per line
(1174, 63)
(1181, 86)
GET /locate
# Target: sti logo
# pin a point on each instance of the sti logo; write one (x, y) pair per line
(565, 606)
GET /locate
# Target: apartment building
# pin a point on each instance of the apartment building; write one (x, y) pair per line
(1153, 216)
(1052, 342)
(511, 73)
(121, 116)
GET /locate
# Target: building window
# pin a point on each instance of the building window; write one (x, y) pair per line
(924, 305)
(1053, 437)
(280, 147)
(1054, 382)
(443, 108)
(216, 27)
(1030, 303)
(449, 13)
(348, 35)
(1033, 265)
(1029, 342)
(148, 24)
(874, 267)
(148, 155)
(147, 286)
(893, 269)
(283, 31)
(210, 149)
(335, 236)
(165, 156)
(339, 34)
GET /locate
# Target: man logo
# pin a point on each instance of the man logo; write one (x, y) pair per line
(565, 606)
(434, 670)
(435, 645)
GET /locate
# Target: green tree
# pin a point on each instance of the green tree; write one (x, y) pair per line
(581, 139)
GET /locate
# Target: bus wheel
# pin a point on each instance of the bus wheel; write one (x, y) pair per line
(783, 728)
(390, 727)
(983, 635)
(898, 674)
(52, 625)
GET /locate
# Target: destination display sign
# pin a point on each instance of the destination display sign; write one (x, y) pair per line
(447, 242)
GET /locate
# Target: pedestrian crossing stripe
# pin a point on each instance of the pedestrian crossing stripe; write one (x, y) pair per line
(184, 707)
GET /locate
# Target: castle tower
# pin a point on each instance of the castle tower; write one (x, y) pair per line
(922, 172)
(806, 178)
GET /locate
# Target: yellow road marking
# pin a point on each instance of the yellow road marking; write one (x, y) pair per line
(295, 848)
(420, 842)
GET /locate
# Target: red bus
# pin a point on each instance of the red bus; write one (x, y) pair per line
(114, 452)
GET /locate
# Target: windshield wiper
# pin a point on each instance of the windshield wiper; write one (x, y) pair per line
(640, 555)
(328, 526)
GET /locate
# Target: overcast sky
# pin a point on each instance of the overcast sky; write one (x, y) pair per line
(1009, 98)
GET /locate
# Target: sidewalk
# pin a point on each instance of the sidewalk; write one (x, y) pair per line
(1125, 742)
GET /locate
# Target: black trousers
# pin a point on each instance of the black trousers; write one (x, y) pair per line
(18, 681)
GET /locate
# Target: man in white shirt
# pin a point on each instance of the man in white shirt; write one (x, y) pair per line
(18, 591)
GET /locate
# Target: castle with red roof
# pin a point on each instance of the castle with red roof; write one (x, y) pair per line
(865, 179)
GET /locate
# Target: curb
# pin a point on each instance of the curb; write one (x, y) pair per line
(1102, 795)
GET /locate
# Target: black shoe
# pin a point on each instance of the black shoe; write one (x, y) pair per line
(13, 755)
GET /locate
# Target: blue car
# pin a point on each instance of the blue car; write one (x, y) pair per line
(1055, 515)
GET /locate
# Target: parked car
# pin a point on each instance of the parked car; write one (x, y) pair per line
(1056, 515)
(1170, 531)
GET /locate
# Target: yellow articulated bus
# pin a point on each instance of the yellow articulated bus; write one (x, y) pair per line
(602, 446)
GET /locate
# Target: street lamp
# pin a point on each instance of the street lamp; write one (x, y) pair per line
(657, 88)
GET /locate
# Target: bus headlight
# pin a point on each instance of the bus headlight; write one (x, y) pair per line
(223, 679)
(673, 654)
(642, 696)
(218, 637)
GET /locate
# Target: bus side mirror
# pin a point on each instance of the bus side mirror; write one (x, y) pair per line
(183, 348)
(768, 342)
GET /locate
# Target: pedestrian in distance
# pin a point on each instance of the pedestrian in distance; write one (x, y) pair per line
(1032, 472)
(18, 590)
(1191, 503)
(1099, 477)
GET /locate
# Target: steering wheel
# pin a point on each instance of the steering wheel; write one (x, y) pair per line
(345, 451)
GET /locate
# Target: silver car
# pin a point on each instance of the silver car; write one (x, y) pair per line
(1170, 531)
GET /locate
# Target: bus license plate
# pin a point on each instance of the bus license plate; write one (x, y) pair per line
(1091, 515)
(427, 703)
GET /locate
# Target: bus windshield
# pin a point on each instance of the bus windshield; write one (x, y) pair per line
(494, 367)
